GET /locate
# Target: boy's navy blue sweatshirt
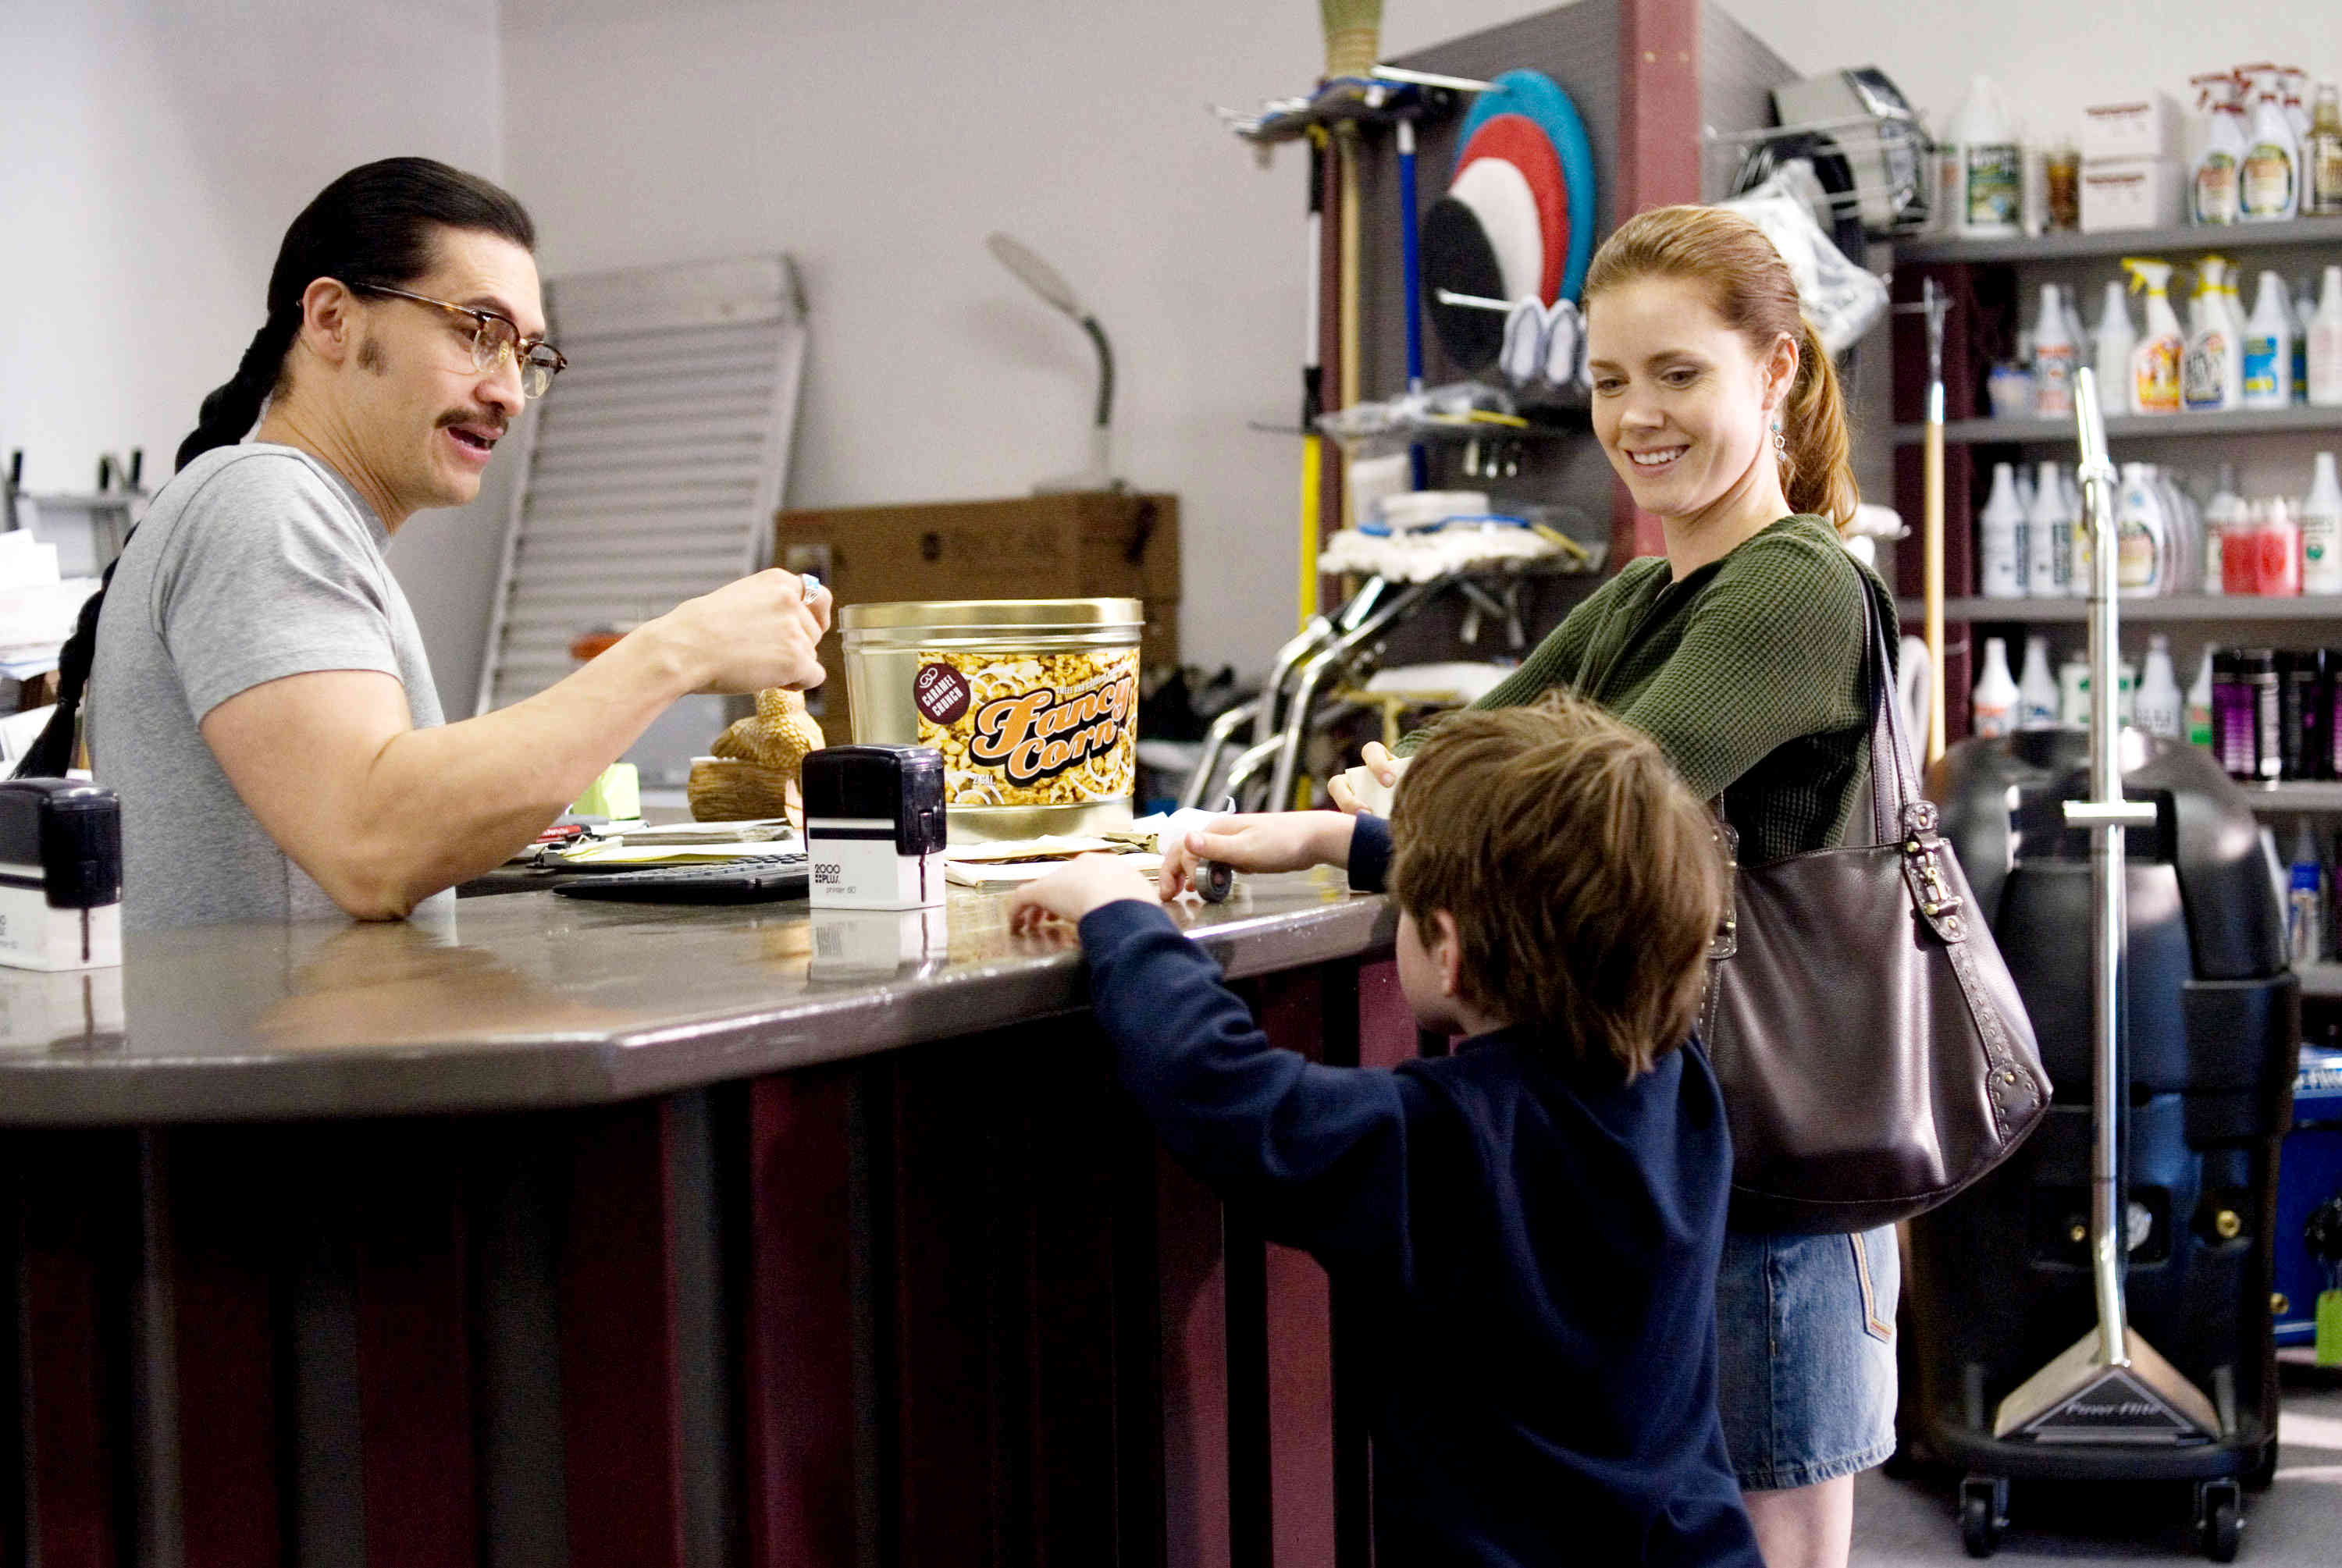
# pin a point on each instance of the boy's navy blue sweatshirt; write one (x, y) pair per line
(1533, 1252)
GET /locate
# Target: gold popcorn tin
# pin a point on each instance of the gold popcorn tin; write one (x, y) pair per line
(1033, 703)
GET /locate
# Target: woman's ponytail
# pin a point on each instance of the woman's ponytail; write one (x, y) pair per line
(1816, 464)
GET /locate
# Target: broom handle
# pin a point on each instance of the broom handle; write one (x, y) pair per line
(1345, 149)
(1932, 556)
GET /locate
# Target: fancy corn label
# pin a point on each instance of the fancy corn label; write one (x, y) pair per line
(1041, 729)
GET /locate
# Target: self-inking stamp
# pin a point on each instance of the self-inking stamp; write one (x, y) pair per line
(874, 826)
(60, 874)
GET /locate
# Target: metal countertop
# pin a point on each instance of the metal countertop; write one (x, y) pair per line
(537, 1001)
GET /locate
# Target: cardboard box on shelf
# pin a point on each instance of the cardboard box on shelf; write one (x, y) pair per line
(1083, 544)
(2147, 126)
(2130, 193)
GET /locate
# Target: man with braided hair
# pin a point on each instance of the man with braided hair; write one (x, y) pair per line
(258, 691)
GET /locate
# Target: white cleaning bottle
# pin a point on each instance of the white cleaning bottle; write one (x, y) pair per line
(2199, 704)
(2001, 538)
(2225, 510)
(2024, 499)
(2037, 690)
(1991, 168)
(2155, 357)
(2305, 306)
(2142, 540)
(2160, 707)
(2211, 372)
(2048, 540)
(2326, 343)
(2269, 346)
(1994, 712)
(2212, 194)
(2116, 339)
(2321, 532)
(2268, 186)
(2054, 355)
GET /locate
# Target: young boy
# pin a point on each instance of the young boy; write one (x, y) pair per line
(1531, 1224)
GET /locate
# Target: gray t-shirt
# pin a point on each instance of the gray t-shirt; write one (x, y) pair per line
(254, 562)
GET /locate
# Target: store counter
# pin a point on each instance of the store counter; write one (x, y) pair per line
(567, 1231)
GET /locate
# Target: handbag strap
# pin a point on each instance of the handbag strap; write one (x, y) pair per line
(1894, 781)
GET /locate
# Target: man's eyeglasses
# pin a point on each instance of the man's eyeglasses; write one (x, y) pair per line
(494, 339)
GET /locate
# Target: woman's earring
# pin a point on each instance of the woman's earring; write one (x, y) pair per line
(1780, 443)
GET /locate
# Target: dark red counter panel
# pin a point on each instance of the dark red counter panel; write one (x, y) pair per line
(950, 1304)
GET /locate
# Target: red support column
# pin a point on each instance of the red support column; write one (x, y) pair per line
(621, 1411)
(413, 1344)
(1658, 165)
(798, 1355)
(221, 1191)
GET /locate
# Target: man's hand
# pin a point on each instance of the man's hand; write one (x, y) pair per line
(1384, 769)
(1275, 840)
(1085, 882)
(749, 635)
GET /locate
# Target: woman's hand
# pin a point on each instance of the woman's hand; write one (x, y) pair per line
(1273, 841)
(1085, 884)
(1381, 766)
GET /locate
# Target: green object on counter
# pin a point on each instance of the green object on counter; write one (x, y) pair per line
(616, 794)
(2328, 1345)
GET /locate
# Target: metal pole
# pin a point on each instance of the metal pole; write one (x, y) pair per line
(1937, 303)
(2107, 814)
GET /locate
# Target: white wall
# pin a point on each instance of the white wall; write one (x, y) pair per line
(158, 150)
(156, 153)
(2050, 56)
(880, 142)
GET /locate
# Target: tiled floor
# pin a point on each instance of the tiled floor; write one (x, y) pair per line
(2297, 1523)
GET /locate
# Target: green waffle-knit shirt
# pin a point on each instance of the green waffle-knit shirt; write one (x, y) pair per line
(1747, 673)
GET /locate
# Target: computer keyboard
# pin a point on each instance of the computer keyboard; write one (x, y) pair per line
(754, 880)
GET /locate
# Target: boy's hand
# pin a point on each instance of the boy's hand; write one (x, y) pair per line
(1272, 840)
(1379, 765)
(1086, 883)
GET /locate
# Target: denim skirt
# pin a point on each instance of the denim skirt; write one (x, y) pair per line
(1805, 1354)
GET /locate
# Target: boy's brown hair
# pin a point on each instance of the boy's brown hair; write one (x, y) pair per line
(1583, 876)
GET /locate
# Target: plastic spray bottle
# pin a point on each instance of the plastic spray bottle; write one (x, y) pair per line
(2269, 346)
(2142, 543)
(2054, 355)
(2269, 185)
(2155, 357)
(2211, 372)
(1994, 712)
(2001, 538)
(2199, 705)
(2212, 196)
(2224, 511)
(2037, 690)
(2325, 367)
(2048, 540)
(2321, 532)
(2160, 706)
(2114, 339)
(1991, 167)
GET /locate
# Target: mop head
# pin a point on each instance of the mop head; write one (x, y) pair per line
(1353, 35)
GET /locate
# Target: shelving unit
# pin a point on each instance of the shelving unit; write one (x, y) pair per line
(1992, 284)
(2241, 609)
(2200, 238)
(2127, 427)
(2321, 980)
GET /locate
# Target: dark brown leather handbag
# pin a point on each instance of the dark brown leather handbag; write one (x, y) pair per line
(1873, 1054)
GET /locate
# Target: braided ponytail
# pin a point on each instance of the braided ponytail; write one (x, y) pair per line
(234, 407)
(377, 224)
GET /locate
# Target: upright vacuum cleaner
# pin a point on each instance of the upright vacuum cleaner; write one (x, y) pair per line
(2141, 1215)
